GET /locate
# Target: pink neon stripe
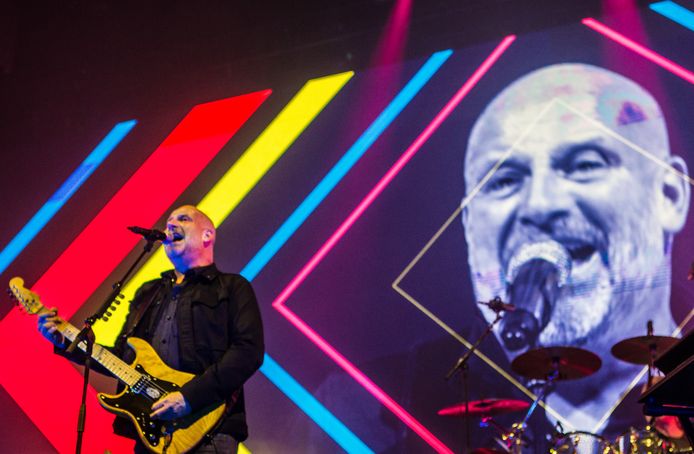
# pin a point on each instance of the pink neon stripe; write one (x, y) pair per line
(88, 261)
(639, 49)
(364, 381)
(278, 303)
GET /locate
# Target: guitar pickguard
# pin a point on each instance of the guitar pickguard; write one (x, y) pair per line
(136, 402)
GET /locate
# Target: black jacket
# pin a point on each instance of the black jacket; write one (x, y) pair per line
(220, 339)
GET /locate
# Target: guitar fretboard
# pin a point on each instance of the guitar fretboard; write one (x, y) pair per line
(31, 303)
(119, 368)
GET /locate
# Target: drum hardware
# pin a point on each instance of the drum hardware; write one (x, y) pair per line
(568, 363)
(642, 441)
(580, 442)
(551, 364)
(640, 350)
(485, 408)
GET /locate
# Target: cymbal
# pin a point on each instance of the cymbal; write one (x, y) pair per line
(571, 362)
(485, 407)
(637, 350)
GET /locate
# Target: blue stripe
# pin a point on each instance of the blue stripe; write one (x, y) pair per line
(309, 405)
(355, 152)
(64, 192)
(288, 385)
(674, 12)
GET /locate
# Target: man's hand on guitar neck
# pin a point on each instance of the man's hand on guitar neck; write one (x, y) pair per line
(169, 407)
(48, 324)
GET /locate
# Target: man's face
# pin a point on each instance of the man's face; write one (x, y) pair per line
(188, 235)
(568, 180)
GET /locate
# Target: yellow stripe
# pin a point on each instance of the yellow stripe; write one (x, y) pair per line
(243, 449)
(239, 180)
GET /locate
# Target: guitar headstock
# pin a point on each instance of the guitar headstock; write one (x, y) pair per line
(28, 300)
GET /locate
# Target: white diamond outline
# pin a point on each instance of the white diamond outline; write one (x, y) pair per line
(467, 199)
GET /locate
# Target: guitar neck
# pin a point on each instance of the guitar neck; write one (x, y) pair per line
(119, 368)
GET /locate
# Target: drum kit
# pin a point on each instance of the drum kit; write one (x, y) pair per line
(559, 364)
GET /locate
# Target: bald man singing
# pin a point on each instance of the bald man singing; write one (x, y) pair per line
(572, 161)
(199, 320)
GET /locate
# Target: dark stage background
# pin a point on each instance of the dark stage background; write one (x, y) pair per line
(71, 73)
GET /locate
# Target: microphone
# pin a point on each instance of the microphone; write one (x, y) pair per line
(535, 273)
(148, 234)
(497, 305)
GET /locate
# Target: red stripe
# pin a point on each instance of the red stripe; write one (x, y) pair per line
(52, 403)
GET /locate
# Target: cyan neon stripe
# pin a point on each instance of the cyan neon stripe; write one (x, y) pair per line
(674, 12)
(64, 192)
(309, 405)
(302, 398)
(355, 152)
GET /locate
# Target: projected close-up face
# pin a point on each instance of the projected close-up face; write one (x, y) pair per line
(576, 156)
(419, 198)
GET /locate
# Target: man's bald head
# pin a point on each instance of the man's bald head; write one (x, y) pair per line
(200, 217)
(193, 237)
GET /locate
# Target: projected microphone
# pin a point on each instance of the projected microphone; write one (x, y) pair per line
(148, 234)
(535, 274)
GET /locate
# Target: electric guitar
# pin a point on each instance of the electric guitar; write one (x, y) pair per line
(146, 380)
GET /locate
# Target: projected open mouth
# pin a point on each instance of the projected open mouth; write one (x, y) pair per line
(580, 252)
(585, 256)
(177, 236)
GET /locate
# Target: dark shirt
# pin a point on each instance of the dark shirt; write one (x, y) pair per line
(165, 339)
(219, 332)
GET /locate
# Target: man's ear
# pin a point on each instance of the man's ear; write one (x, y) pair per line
(207, 235)
(674, 195)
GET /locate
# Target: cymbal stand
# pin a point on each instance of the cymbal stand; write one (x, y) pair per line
(515, 437)
(652, 348)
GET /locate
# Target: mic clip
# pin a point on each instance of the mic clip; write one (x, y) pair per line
(497, 305)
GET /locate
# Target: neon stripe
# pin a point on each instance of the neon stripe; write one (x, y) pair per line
(310, 405)
(64, 192)
(639, 49)
(340, 169)
(220, 202)
(239, 179)
(302, 398)
(94, 254)
(674, 12)
(328, 349)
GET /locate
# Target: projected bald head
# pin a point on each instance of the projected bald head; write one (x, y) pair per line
(577, 155)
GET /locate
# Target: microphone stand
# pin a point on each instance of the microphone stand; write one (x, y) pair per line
(87, 335)
(461, 364)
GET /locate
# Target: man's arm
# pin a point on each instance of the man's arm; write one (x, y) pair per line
(49, 322)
